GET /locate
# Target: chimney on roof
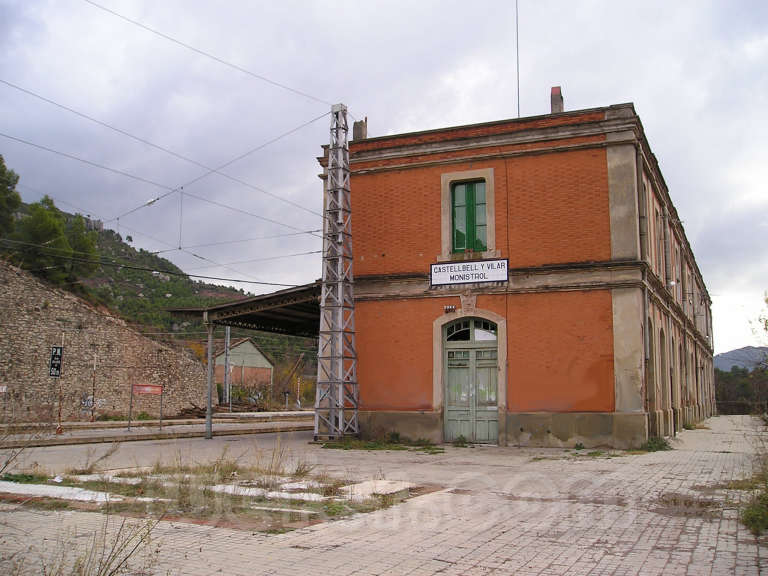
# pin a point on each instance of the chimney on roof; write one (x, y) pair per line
(557, 99)
(360, 129)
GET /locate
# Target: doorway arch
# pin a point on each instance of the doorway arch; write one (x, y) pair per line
(486, 331)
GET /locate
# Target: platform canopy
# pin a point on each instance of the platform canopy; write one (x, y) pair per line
(294, 311)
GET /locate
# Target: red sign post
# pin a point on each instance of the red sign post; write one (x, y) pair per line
(154, 389)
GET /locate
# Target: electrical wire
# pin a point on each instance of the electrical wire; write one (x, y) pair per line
(242, 211)
(176, 154)
(147, 269)
(168, 189)
(209, 55)
(94, 164)
(217, 170)
(265, 259)
(243, 240)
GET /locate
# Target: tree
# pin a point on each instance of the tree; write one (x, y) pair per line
(43, 245)
(10, 201)
(83, 244)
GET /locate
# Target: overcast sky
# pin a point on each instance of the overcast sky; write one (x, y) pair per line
(696, 71)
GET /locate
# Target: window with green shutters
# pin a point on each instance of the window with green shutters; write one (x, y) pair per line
(468, 217)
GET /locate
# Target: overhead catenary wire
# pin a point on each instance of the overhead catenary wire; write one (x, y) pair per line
(247, 212)
(183, 250)
(265, 258)
(218, 169)
(209, 55)
(169, 190)
(188, 246)
(91, 163)
(177, 154)
(240, 241)
(148, 269)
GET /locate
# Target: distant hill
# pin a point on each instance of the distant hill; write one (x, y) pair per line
(748, 357)
(139, 286)
(142, 296)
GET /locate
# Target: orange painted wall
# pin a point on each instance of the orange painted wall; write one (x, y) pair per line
(560, 351)
(558, 212)
(394, 349)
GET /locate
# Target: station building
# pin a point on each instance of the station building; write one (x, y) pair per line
(525, 282)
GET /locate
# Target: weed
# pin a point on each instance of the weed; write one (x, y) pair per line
(303, 468)
(49, 504)
(656, 444)
(90, 464)
(755, 514)
(460, 441)
(689, 426)
(595, 453)
(25, 478)
(143, 416)
(431, 449)
(393, 437)
(578, 446)
(110, 418)
(334, 508)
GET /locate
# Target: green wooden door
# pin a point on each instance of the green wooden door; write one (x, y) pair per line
(471, 387)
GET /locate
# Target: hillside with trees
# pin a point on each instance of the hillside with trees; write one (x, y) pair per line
(74, 253)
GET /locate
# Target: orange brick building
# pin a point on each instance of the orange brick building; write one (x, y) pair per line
(586, 319)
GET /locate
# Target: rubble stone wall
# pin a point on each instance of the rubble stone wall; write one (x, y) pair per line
(102, 359)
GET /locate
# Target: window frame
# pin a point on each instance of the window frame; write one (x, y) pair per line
(448, 182)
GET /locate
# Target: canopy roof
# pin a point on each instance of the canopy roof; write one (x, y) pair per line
(294, 311)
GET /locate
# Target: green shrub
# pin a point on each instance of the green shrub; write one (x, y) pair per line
(393, 437)
(656, 444)
(755, 514)
(460, 441)
(579, 446)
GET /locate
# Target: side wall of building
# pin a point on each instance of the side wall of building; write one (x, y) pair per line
(565, 209)
(680, 370)
(37, 317)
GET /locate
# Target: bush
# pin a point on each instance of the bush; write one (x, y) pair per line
(755, 514)
(460, 441)
(656, 444)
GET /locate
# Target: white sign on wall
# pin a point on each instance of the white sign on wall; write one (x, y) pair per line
(469, 272)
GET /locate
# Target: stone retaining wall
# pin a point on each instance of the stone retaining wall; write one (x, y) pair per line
(34, 317)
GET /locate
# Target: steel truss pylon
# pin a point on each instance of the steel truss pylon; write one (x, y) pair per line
(336, 399)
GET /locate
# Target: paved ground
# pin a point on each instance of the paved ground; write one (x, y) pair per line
(96, 432)
(499, 511)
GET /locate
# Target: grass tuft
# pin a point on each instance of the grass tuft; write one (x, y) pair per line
(460, 441)
(25, 478)
(656, 444)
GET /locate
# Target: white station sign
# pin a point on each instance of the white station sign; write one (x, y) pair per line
(469, 272)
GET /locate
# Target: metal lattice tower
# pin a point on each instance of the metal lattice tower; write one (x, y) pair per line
(337, 394)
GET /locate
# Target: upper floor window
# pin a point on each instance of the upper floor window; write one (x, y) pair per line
(468, 216)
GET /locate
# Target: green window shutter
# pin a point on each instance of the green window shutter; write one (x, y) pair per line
(469, 224)
(459, 209)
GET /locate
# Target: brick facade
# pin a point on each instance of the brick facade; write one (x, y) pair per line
(586, 293)
(37, 317)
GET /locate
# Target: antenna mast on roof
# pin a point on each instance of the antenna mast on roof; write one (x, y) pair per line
(336, 398)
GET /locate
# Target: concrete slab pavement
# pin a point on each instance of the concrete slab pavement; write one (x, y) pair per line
(98, 432)
(500, 511)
